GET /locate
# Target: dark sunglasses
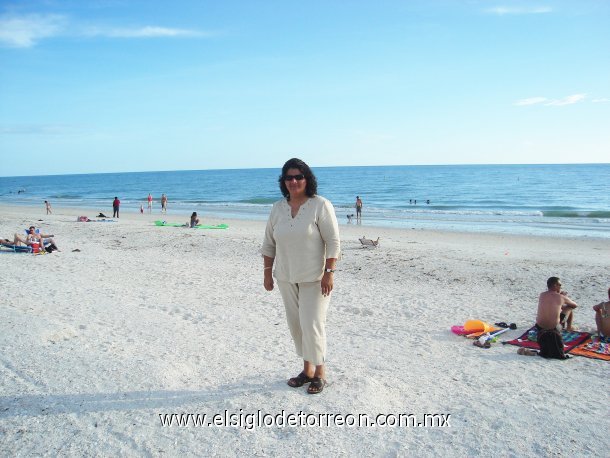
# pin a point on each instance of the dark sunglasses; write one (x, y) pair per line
(502, 324)
(298, 177)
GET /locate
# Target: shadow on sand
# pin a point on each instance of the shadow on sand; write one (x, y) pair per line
(55, 404)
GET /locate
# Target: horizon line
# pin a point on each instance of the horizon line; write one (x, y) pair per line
(312, 166)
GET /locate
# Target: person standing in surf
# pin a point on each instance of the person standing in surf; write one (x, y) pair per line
(301, 246)
(358, 209)
(163, 203)
(116, 203)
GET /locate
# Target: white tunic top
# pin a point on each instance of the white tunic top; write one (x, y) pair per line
(300, 245)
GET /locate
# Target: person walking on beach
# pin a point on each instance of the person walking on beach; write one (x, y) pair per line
(555, 309)
(48, 207)
(163, 203)
(302, 243)
(116, 203)
(358, 209)
(150, 199)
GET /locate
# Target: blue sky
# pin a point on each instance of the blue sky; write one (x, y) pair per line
(107, 86)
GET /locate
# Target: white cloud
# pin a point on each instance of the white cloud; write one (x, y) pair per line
(26, 31)
(502, 10)
(569, 100)
(143, 32)
(530, 101)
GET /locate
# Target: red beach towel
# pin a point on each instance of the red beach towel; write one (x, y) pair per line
(529, 339)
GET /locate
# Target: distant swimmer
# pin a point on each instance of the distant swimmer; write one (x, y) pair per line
(428, 201)
(48, 207)
(150, 199)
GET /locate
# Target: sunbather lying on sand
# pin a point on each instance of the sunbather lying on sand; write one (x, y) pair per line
(34, 238)
(602, 317)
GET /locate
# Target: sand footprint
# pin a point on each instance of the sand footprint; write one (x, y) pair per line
(61, 335)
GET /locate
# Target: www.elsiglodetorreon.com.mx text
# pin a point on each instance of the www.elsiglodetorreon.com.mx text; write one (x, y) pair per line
(250, 421)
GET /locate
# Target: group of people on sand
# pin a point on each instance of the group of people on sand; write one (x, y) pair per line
(556, 313)
(34, 239)
(149, 201)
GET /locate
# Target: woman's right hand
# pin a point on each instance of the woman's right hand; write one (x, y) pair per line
(268, 282)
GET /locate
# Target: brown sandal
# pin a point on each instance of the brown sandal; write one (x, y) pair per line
(299, 380)
(527, 352)
(316, 386)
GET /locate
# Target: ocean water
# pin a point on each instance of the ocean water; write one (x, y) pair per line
(552, 200)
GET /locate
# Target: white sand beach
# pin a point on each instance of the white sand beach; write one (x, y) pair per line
(145, 320)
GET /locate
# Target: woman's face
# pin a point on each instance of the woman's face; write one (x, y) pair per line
(295, 182)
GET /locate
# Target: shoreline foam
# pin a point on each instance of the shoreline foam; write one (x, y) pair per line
(568, 228)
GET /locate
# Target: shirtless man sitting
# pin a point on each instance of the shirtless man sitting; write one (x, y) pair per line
(554, 306)
(602, 317)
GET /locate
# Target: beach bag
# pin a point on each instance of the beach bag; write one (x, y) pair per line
(82, 219)
(551, 344)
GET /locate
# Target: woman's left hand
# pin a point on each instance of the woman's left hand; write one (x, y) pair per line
(327, 283)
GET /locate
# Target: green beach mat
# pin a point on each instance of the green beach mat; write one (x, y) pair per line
(199, 226)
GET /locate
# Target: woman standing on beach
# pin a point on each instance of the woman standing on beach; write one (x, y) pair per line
(302, 239)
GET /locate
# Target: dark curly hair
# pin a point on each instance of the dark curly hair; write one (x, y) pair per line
(311, 187)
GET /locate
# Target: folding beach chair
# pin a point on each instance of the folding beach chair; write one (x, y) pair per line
(369, 243)
(17, 248)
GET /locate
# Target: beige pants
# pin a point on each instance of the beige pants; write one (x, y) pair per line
(306, 315)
